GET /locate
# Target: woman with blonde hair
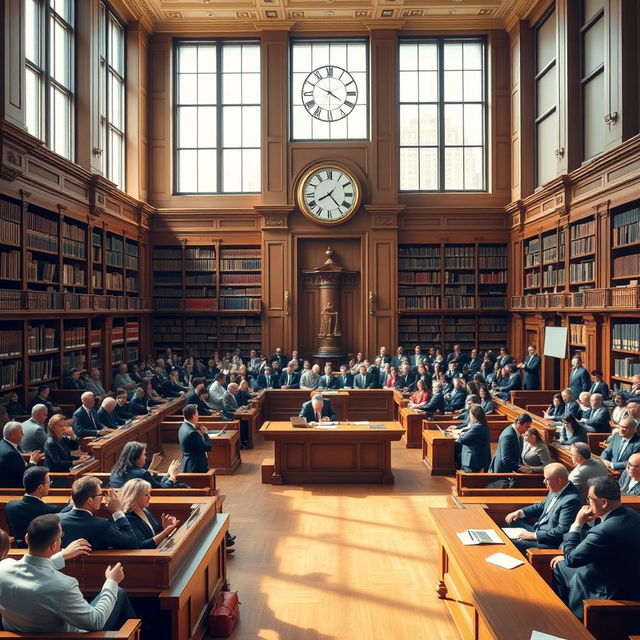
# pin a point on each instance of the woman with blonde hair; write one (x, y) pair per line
(135, 496)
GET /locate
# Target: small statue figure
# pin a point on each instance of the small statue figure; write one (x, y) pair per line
(329, 321)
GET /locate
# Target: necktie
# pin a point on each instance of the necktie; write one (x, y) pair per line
(20, 449)
(318, 416)
(622, 448)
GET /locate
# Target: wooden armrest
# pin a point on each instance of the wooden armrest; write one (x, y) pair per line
(130, 630)
(612, 619)
(540, 560)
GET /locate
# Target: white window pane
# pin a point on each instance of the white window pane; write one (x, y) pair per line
(361, 82)
(593, 47)
(301, 123)
(546, 91)
(251, 58)
(32, 32)
(116, 159)
(103, 145)
(453, 86)
(473, 124)
(301, 58)
(409, 179)
(187, 171)
(408, 124)
(297, 80)
(187, 127)
(428, 169)
(338, 53)
(251, 170)
(102, 89)
(428, 86)
(473, 56)
(61, 123)
(187, 59)
(232, 58)
(206, 127)
(206, 59)
(250, 88)
(207, 171)
(409, 86)
(33, 104)
(473, 169)
(473, 89)
(428, 56)
(357, 56)
(251, 126)
(321, 129)
(102, 47)
(340, 129)
(590, 8)
(232, 126)
(594, 125)
(231, 88)
(232, 168)
(63, 9)
(454, 168)
(116, 44)
(453, 55)
(546, 144)
(206, 88)
(408, 56)
(428, 124)
(116, 115)
(453, 123)
(546, 42)
(187, 88)
(357, 122)
(60, 52)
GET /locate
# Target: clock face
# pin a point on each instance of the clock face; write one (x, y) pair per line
(329, 93)
(329, 195)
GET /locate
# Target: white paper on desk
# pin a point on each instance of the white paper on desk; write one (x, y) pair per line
(360, 423)
(504, 561)
(513, 532)
(539, 635)
(467, 539)
(329, 393)
(327, 425)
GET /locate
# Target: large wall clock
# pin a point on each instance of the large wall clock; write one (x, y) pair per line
(329, 93)
(328, 194)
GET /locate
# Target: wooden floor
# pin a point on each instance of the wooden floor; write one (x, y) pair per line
(342, 562)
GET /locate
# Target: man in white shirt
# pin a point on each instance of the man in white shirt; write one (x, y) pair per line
(217, 391)
(35, 596)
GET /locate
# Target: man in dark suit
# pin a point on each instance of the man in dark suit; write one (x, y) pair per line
(42, 397)
(280, 358)
(396, 361)
(473, 448)
(622, 445)
(121, 411)
(87, 496)
(171, 388)
(474, 363)
(417, 357)
(328, 380)
(436, 403)
(198, 396)
(318, 409)
(363, 380)
(457, 397)
(73, 381)
(345, 379)
(229, 401)
(21, 512)
(570, 403)
(290, 379)
(12, 464)
(106, 417)
(194, 442)
(598, 385)
(579, 380)
(384, 356)
(601, 561)
(86, 423)
(504, 358)
(268, 380)
(630, 477)
(531, 368)
(138, 403)
(553, 516)
(159, 378)
(513, 383)
(598, 419)
(507, 457)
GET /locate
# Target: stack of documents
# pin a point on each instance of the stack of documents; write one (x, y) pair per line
(479, 536)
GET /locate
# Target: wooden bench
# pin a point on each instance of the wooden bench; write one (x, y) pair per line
(471, 484)
(130, 630)
(522, 398)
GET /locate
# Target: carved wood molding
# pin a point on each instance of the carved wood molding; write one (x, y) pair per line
(274, 217)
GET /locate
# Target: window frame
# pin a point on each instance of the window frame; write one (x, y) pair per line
(440, 41)
(47, 82)
(338, 38)
(219, 148)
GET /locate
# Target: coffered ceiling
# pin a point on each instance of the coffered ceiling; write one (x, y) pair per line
(192, 16)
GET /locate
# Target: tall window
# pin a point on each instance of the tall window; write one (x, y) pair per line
(217, 116)
(112, 95)
(593, 107)
(546, 87)
(443, 112)
(49, 48)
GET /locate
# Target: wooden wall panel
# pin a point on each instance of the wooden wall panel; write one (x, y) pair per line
(13, 52)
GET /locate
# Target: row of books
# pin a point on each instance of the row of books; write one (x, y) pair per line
(199, 264)
(73, 232)
(73, 275)
(10, 264)
(41, 270)
(458, 290)
(115, 244)
(240, 278)
(10, 342)
(532, 252)
(75, 337)
(240, 264)
(131, 263)
(234, 292)
(40, 370)
(582, 229)
(626, 367)
(419, 263)
(167, 253)
(200, 253)
(492, 302)
(459, 302)
(133, 284)
(41, 338)
(419, 302)
(493, 277)
(420, 251)
(240, 253)
(96, 279)
(73, 249)
(35, 222)
(626, 266)
(582, 245)
(451, 262)
(577, 334)
(582, 271)
(42, 241)
(626, 227)
(419, 277)
(492, 263)
(200, 280)
(200, 292)
(240, 304)
(162, 264)
(626, 335)
(553, 277)
(453, 277)
(131, 249)
(114, 281)
(10, 223)
(419, 291)
(531, 279)
(174, 279)
(115, 258)
(10, 374)
(11, 300)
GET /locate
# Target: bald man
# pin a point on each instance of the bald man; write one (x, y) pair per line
(553, 516)
(630, 478)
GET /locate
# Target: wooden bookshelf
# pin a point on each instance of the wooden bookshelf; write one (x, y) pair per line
(240, 279)
(625, 245)
(582, 244)
(625, 351)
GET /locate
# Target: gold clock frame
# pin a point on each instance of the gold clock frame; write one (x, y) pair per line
(320, 167)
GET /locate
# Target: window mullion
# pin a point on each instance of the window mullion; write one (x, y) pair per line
(441, 154)
(219, 124)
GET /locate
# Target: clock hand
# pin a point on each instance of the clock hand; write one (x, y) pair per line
(337, 205)
(327, 196)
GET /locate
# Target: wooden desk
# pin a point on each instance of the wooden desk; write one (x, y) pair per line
(511, 411)
(348, 454)
(411, 422)
(224, 456)
(522, 398)
(488, 602)
(252, 419)
(438, 452)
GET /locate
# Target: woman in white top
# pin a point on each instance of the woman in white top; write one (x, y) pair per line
(620, 410)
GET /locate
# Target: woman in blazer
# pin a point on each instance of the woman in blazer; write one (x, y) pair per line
(135, 497)
(572, 430)
(556, 409)
(535, 453)
(620, 410)
(132, 465)
(420, 396)
(486, 401)
(392, 380)
(59, 445)
(473, 448)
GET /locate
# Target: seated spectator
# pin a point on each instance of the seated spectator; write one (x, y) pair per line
(123, 379)
(586, 466)
(435, 404)
(229, 401)
(392, 380)
(584, 402)
(106, 414)
(199, 395)
(512, 382)
(456, 399)
(601, 561)
(556, 409)
(310, 379)
(12, 464)
(59, 445)
(597, 420)
(94, 383)
(622, 445)
(328, 380)
(463, 415)
(34, 430)
(630, 477)
(267, 379)
(15, 408)
(151, 396)
(507, 456)
(132, 463)
(42, 397)
(171, 388)
(535, 453)
(135, 497)
(159, 377)
(345, 379)
(572, 430)
(86, 423)
(73, 380)
(363, 379)
(121, 412)
(87, 496)
(217, 391)
(21, 512)
(36, 597)
(486, 401)
(420, 396)
(620, 409)
(138, 403)
(598, 385)
(553, 516)
(570, 404)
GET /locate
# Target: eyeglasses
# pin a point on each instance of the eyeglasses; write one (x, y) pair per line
(98, 495)
(633, 466)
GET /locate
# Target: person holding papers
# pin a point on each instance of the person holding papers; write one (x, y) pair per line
(318, 409)
(553, 516)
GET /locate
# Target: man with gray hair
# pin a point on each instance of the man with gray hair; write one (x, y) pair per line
(106, 419)
(597, 421)
(34, 430)
(86, 423)
(553, 516)
(12, 464)
(585, 468)
(229, 401)
(94, 383)
(318, 409)
(622, 445)
(310, 379)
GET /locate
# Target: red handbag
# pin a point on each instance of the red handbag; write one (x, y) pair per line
(224, 614)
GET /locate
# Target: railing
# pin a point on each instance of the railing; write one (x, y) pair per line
(615, 298)
(13, 300)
